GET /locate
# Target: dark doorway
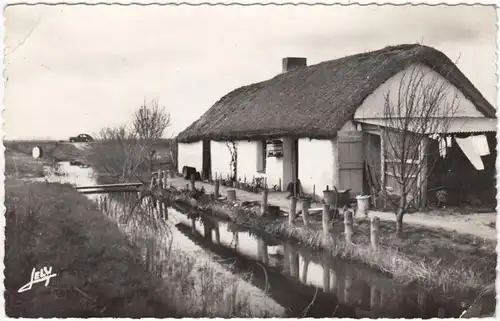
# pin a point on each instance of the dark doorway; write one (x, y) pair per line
(207, 161)
(295, 175)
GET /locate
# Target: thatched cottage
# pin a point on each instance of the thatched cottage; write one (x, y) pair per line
(313, 123)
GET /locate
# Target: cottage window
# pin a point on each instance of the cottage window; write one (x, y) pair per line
(261, 156)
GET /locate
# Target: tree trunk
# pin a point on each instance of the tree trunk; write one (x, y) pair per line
(399, 222)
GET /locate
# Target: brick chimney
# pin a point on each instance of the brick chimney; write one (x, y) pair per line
(291, 63)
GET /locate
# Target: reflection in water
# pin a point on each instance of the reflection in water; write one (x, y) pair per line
(369, 292)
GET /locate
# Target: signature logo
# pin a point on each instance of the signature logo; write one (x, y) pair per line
(44, 274)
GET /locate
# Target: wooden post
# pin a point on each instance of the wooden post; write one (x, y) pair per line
(263, 205)
(374, 231)
(160, 179)
(193, 225)
(165, 180)
(165, 211)
(279, 186)
(314, 193)
(326, 214)
(305, 213)
(348, 228)
(193, 186)
(231, 194)
(422, 177)
(153, 182)
(160, 208)
(293, 210)
(382, 158)
(217, 234)
(216, 188)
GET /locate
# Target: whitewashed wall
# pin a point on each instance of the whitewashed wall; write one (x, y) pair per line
(315, 164)
(247, 160)
(373, 105)
(221, 159)
(274, 171)
(190, 155)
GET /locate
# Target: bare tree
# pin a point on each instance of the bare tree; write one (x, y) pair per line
(151, 121)
(423, 106)
(119, 153)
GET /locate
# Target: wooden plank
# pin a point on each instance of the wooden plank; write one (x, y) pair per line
(110, 185)
(115, 190)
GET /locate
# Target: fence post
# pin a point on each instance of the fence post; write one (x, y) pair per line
(263, 205)
(348, 229)
(165, 179)
(193, 186)
(160, 179)
(374, 231)
(293, 210)
(216, 188)
(326, 214)
(305, 213)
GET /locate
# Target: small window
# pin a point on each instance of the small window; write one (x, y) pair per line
(261, 156)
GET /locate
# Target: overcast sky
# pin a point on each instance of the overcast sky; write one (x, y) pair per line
(76, 69)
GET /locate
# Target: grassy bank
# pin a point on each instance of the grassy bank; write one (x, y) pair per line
(434, 258)
(18, 164)
(98, 272)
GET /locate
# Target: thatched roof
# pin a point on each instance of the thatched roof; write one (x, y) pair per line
(316, 101)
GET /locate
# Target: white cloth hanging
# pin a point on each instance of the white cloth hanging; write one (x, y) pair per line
(442, 147)
(467, 146)
(480, 144)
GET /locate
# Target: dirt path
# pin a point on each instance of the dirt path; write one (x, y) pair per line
(473, 224)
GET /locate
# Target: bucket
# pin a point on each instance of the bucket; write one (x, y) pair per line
(330, 198)
(363, 205)
(231, 195)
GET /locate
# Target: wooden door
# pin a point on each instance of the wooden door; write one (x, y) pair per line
(350, 160)
(207, 160)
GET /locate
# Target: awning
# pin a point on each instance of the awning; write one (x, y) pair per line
(455, 125)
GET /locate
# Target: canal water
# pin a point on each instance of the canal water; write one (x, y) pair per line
(284, 278)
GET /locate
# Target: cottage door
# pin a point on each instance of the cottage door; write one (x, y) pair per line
(350, 160)
(206, 160)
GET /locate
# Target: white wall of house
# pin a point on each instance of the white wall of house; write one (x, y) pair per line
(221, 159)
(373, 105)
(190, 155)
(315, 164)
(247, 160)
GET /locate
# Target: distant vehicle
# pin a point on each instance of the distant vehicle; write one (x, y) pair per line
(81, 138)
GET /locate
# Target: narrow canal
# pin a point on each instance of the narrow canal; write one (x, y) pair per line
(285, 278)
